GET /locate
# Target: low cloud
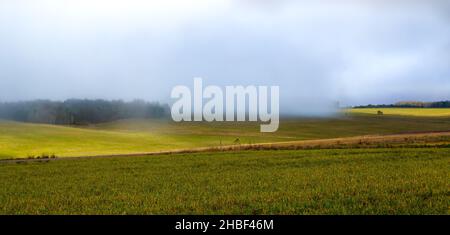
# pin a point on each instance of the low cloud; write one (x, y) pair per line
(317, 52)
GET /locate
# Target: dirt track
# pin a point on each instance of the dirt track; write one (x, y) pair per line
(367, 141)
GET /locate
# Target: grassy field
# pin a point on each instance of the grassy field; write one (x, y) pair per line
(20, 140)
(347, 181)
(421, 112)
(389, 174)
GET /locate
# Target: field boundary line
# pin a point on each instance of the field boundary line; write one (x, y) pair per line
(364, 141)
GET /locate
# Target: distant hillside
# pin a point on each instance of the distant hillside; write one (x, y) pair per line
(76, 111)
(410, 104)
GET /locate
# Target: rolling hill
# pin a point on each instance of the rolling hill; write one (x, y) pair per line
(133, 136)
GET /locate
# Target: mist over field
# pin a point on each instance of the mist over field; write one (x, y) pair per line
(224, 107)
(318, 52)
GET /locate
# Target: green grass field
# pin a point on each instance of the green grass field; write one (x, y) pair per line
(348, 181)
(20, 140)
(408, 178)
(421, 112)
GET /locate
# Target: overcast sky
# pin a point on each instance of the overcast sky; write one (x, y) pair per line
(354, 52)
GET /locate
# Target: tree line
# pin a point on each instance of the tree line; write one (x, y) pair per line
(80, 111)
(410, 104)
